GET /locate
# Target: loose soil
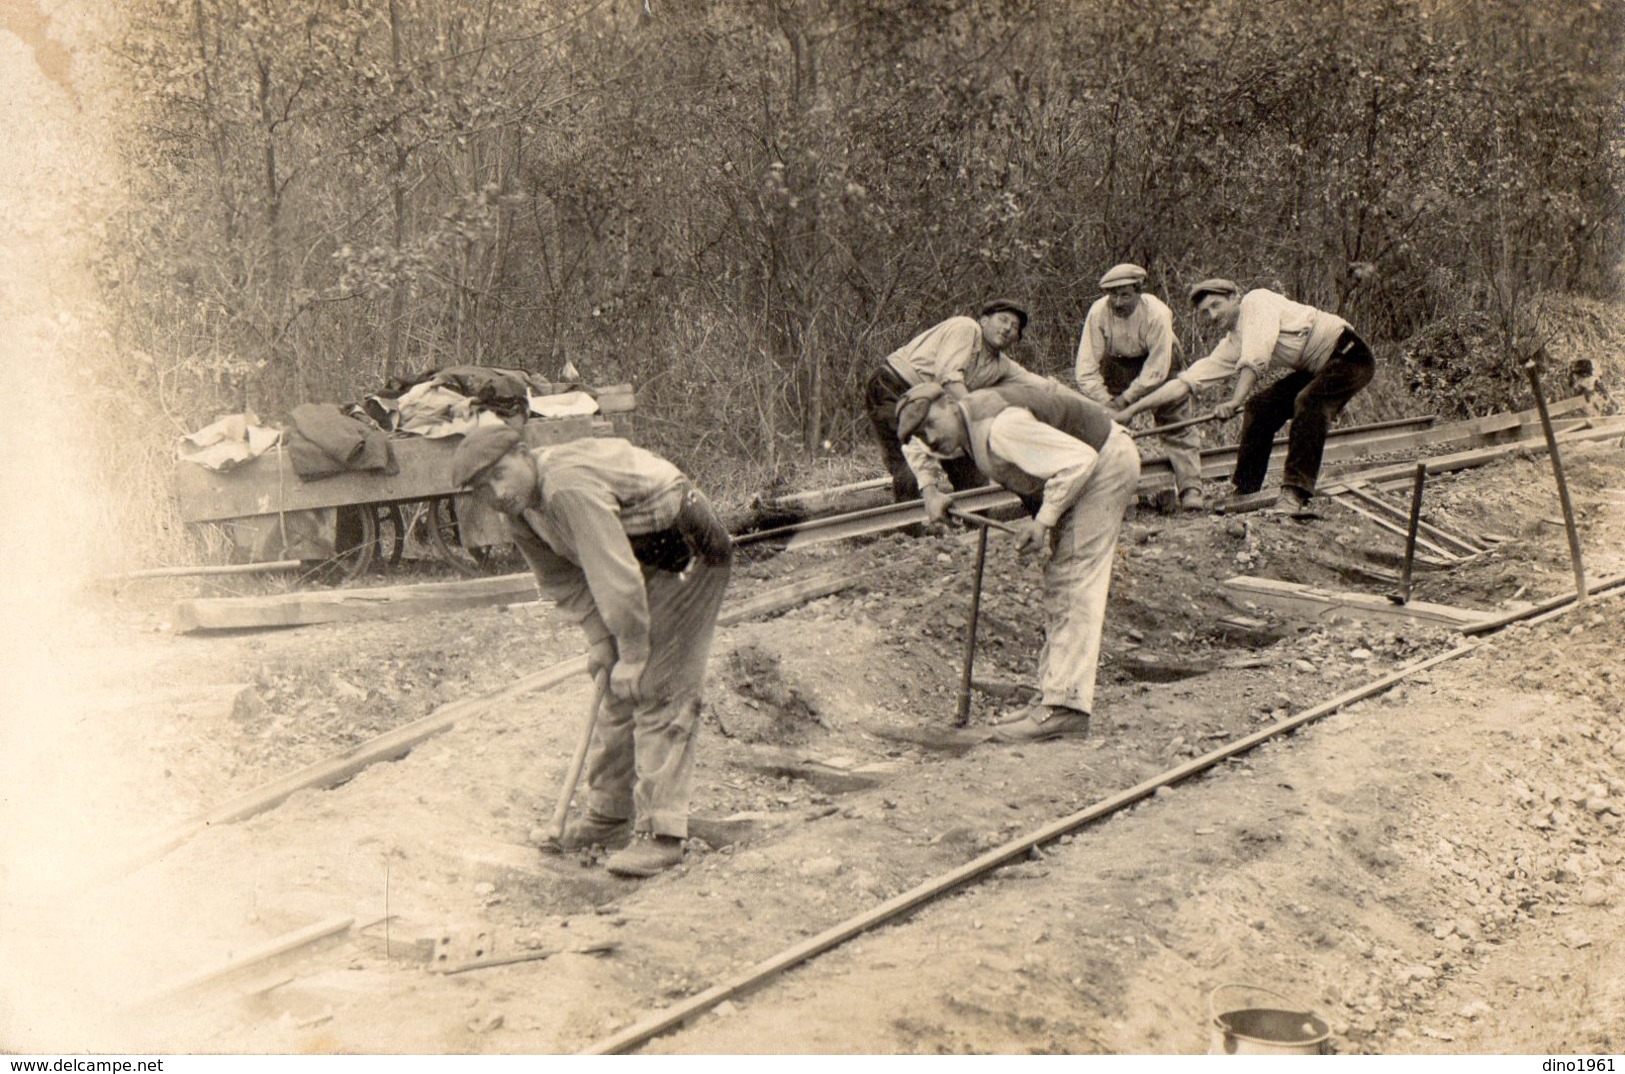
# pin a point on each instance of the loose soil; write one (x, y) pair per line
(1435, 869)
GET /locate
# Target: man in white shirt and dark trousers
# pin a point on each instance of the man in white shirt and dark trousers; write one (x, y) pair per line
(1326, 364)
(1077, 473)
(1126, 351)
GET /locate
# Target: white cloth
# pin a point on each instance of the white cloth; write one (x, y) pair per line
(563, 405)
(225, 443)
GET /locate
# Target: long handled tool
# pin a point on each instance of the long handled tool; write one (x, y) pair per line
(962, 713)
(983, 522)
(1175, 426)
(1531, 368)
(600, 685)
(1404, 595)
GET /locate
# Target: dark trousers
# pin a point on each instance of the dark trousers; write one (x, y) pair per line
(1310, 401)
(880, 402)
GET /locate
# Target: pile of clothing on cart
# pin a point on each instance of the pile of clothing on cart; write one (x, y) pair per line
(323, 439)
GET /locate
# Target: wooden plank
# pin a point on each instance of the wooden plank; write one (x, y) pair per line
(1443, 555)
(1014, 850)
(187, 572)
(1464, 460)
(268, 485)
(397, 743)
(1307, 602)
(349, 605)
(1456, 544)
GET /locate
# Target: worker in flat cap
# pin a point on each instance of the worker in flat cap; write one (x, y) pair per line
(1076, 472)
(1325, 364)
(961, 354)
(623, 542)
(1126, 352)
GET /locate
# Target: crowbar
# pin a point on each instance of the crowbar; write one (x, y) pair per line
(600, 684)
(962, 712)
(1175, 426)
(1404, 596)
(984, 522)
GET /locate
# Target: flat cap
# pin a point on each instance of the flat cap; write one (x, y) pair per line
(480, 450)
(912, 408)
(1216, 286)
(1005, 305)
(1118, 275)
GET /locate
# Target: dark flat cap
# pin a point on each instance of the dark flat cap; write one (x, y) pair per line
(912, 408)
(1006, 305)
(1216, 286)
(480, 450)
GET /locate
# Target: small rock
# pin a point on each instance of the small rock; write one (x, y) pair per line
(1303, 666)
(1576, 938)
(1474, 1010)
(944, 559)
(726, 1009)
(821, 868)
(1360, 654)
(484, 887)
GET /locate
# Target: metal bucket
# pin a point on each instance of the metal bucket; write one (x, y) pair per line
(1264, 1030)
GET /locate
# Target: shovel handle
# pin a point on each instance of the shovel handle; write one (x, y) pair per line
(600, 684)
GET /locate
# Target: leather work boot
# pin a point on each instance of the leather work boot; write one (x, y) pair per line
(1041, 723)
(594, 829)
(1295, 503)
(646, 855)
(1191, 499)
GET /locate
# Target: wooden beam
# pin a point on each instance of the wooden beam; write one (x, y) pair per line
(1307, 602)
(184, 572)
(1457, 544)
(348, 605)
(395, 744)
(1400, 473)
(1442, 555)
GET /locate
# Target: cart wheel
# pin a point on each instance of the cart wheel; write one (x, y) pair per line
(391, 533)
(355, 543)
(446, 538)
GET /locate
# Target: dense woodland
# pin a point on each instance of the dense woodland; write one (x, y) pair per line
(741, 206)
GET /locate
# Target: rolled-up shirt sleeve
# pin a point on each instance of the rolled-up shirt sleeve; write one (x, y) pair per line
(928, 472)
(1062, 462)
(1218, 367)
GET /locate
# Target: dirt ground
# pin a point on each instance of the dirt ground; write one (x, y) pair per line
(1433, 870)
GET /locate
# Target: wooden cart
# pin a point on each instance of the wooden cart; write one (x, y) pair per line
(375, 517)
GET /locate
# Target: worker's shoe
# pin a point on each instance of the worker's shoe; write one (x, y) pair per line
(594, 829)
(646, 855)
(1192, 499)
(1295, 502)
(1040, 723)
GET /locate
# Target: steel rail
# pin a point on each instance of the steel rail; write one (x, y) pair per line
(641, 1032)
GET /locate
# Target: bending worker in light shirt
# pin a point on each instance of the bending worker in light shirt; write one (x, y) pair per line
(1126, 351)
(1077, 472)
(1326, 363)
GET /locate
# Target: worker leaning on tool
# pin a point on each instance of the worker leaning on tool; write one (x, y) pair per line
(1076, 471)
(1126, 351)
(1326, 363)
(962, 354)
(621, 540)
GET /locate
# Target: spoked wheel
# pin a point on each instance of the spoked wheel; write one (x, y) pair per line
(445, 537)
(355, 544)
(391, 533)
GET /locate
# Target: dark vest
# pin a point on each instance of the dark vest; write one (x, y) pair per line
(1055, 406)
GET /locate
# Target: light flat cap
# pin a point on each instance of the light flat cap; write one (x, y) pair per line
(912, 408)
(1216, 286)
(1118, 275)
(480, 450)
(1006, 305)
